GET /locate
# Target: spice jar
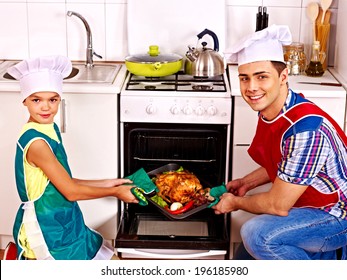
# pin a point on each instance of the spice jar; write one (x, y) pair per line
(295, 58)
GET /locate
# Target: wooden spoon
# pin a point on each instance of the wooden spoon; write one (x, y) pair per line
(312, 12)
(325, 6)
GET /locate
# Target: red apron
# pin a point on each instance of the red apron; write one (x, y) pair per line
(266, 149)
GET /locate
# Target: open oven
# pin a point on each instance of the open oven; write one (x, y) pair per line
(153, 135)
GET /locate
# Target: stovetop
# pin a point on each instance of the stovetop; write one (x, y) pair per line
(177, 82)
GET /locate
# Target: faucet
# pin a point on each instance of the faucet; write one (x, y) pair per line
(89, 52)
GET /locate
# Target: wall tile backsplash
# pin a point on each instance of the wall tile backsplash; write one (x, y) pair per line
(46, 29)
(29, 28)
(94, 13)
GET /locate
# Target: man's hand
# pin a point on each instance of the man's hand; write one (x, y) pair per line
(237, 187)
(226, 204)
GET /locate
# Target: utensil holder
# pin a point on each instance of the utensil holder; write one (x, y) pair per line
(323, 31)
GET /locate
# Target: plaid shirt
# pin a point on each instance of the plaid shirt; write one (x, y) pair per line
(318, 158)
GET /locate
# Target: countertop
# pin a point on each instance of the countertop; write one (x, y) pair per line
(308, 90)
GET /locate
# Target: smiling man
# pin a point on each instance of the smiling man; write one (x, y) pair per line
(301, 151)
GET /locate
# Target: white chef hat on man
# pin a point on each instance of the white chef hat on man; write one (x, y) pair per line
(266, 44)
(45, 73)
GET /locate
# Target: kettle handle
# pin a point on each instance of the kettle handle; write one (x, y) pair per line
(213, 35)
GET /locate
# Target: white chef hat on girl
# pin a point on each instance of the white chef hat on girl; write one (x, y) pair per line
(266, 44)
(45, 73)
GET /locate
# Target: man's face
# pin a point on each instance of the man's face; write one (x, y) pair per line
(42, 106)
(263, 88)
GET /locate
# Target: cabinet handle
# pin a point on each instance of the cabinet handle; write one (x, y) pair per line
(242, 145)
(63, 116)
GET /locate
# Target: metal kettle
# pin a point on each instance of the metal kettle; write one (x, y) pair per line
(204, 62)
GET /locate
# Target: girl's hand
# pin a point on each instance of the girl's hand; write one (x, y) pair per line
(123, 193)
(119, 182)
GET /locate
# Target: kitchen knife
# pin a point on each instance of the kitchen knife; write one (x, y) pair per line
(259, 19)
(265, 18)
(321, 83)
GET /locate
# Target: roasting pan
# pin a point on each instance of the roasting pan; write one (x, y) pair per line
(173, 167)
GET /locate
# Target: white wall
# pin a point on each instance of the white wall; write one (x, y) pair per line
(29, 28)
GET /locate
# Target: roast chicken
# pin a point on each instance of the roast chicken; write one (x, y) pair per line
(177, 186)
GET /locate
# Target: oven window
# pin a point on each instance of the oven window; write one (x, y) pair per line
(201, 148)
(144, 222)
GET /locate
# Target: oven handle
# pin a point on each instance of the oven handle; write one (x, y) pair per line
(144, 253)
(63, 116)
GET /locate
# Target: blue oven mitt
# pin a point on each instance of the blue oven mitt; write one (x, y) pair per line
(217, 192)
(143, 184)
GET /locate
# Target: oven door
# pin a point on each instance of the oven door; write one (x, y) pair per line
(200, 148)
(144, 232)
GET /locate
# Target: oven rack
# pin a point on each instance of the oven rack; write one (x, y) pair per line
(161, 148)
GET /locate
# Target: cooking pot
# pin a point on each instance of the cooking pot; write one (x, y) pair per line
(153, 64)
(204, 62)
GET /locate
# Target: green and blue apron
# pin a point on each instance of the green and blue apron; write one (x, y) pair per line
(54, 227)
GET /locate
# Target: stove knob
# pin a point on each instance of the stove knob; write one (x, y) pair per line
(175, 110)
(150, 109)
(200, 110)
(187, 110)
(212, 110)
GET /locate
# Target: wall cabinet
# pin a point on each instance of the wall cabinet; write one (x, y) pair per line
(89, 124)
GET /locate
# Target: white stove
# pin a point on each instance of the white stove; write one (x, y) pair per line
(178, 119)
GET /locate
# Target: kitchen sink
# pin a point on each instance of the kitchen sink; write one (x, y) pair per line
(100, 73)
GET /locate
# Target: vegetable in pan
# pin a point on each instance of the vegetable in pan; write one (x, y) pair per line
(189, 205)
(180, 190)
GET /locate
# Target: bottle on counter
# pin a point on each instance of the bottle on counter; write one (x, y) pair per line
(315, 67)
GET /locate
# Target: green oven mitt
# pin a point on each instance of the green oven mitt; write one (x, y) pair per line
(217, 192)
(143, 184)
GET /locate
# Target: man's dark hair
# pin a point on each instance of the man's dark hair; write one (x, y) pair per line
(279, 66)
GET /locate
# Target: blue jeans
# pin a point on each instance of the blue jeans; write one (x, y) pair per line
(305, 234)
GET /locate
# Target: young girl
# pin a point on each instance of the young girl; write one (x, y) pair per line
(49, 223)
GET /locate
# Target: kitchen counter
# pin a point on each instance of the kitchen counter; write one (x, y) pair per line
(308, 90)
(8, 85)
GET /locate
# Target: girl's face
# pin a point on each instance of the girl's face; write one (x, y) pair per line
(42, 106)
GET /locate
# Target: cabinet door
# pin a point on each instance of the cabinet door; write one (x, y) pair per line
(13, 115)
(242, 165)
(245, 122)
(89, 124)
(334, 106)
